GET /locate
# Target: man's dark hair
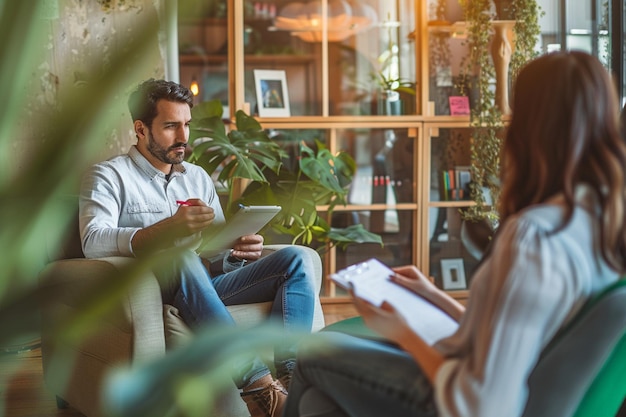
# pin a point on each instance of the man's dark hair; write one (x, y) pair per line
(142, 102)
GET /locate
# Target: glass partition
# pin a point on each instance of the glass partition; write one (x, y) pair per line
(357, 59)
(449, 194)
(203, 49)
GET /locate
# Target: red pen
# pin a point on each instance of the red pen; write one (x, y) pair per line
(182, 203)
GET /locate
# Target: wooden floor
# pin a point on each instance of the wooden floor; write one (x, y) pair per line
(21, 383)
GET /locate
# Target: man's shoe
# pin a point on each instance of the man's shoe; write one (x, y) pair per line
(267, 401)
(285, 380)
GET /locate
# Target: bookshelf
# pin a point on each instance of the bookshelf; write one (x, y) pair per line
(399, 190)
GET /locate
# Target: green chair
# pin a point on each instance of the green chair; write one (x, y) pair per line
(608, 387)
(353, 326)
(582, 372)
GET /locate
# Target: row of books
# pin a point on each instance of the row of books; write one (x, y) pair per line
(456, 183)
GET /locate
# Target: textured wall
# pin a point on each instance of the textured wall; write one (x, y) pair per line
(82, 37)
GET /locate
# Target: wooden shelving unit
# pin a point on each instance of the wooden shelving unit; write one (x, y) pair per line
(404, 215)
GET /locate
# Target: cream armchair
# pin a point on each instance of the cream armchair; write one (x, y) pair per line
(143, 328)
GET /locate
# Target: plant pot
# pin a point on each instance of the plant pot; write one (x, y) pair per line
(389, 103)
(476, 236)
(215, 35)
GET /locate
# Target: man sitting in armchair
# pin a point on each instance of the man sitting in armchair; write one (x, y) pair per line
(151, 199)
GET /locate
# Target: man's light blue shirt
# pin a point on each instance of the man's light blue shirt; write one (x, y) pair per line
(127, 193)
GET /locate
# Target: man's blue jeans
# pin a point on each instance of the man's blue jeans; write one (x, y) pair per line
(284, 277)
(363, 378)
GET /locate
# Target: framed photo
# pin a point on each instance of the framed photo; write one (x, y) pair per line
(453, 274)
(271, 93)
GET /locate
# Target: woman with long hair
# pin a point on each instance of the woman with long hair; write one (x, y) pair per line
(561, 240)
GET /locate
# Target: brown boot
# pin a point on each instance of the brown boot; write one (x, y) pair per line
(285, 380)
(267, 401)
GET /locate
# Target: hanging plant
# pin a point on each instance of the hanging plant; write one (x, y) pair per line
(526, 31)
(439, 40)
(486, 117)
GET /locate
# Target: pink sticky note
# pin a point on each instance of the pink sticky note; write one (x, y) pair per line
(459, 106)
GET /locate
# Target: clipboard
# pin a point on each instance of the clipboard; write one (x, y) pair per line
(370, 281)
(247, 221)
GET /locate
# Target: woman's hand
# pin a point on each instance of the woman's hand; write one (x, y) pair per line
(412, 279)
(384, 320)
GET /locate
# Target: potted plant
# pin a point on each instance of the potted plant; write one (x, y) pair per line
(246, 152)
(204, 26)
(393, 94)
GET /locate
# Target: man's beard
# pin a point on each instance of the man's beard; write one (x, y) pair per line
(165, 155)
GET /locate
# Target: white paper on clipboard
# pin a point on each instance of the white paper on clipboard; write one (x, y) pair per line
(370, 281)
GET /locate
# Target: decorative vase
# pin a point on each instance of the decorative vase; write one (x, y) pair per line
(501, 51)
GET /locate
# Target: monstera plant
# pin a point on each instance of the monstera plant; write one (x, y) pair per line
(246, 152)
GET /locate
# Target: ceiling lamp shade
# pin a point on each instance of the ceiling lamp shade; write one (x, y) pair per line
(305, 20)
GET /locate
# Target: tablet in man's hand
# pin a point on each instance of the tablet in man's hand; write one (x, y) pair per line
(247, 221)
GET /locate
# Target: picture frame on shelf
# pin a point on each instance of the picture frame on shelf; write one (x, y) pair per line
(272, 93)
(453, 274)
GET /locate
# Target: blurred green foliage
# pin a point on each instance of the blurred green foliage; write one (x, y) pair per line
(64, 138)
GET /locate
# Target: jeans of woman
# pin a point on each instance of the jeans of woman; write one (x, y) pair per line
(284, 277)
(363, 378)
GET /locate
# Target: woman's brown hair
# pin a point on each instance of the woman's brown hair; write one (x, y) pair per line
(565, 131)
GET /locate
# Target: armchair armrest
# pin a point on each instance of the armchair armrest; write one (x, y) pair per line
(135, 332)
(132, 332)
(138, 313)
(142, 312)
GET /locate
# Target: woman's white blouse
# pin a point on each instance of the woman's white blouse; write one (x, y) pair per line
(532, 282)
